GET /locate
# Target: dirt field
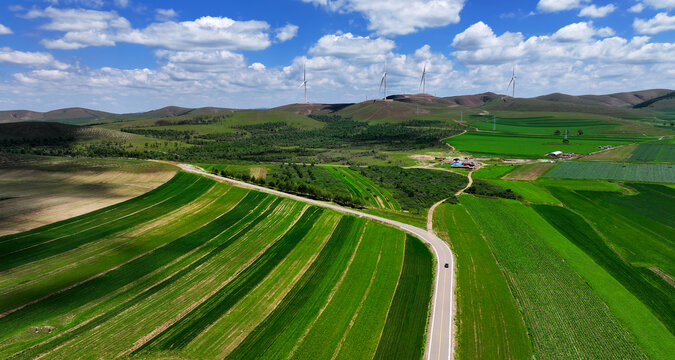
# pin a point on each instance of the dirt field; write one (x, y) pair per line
(528, 172)
(618, 154)
(38, 192)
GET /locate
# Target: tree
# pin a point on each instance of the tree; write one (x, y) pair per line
(580, 132)
(557, 132)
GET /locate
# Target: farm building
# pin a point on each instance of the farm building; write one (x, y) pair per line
(555, 154)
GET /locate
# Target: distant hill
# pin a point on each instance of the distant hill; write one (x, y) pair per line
(32, 130)
(67, 116)
(311, 108)
(664, 102)
(624, 99)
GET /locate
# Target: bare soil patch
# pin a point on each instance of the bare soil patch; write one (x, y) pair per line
(528, 172)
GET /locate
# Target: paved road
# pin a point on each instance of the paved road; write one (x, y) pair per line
(439, 340)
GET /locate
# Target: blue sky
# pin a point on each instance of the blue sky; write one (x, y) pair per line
(137, 55)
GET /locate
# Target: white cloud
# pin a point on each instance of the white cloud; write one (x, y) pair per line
(257, 66)
(287, 32)
(637, 8)
(355, 48)
(204, 33)
(32, 59)
(597, 12)
(399, 17)
(659, 23)
(660, 4)
(79, 19)
(105, 28)
(86, 3)
(549, 6)
(165, 14)
(478, 45)
(122, 3)
(4, 30)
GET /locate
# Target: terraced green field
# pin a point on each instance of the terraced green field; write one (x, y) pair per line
(564, 315)
(200, 269)
(663, 173)
(527, 146)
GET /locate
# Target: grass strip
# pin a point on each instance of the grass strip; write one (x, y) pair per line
(228, 240)
(76, 224)
(68, 300)
(191, 325)
(44, 250)
(658, 295)
(276, 336)
(403, 336)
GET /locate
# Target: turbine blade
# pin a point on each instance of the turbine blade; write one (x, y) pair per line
(510, 82)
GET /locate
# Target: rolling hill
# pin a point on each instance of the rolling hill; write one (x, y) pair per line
(74, 115)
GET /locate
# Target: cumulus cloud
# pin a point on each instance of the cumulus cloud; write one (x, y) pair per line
(31, 59)
(105, 28)
(122, 3)
(660, 4)
(399, 17)
(287, 32)
(349, 46)
(659, 23)
(165, 14)
(637, 8)
(549, 6)
(597, 12)
(4, 30)
(479, 45)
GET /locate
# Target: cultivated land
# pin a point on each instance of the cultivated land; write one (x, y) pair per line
(38, 191)
(580, 263)
(104, 290)
(614, 171)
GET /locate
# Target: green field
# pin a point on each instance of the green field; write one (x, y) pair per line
(543, 125)
(662, 173)
(527, 146)
(365, 189)
(489, 322)
(662, 151)
(200, 269)
(564, 316)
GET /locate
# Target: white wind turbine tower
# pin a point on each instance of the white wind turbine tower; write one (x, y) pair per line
(512, 82)
(304, 81)
(423, 82)
(383, 82)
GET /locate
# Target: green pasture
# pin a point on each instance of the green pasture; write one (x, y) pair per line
(664, 173)
(527, 146)
(660, 151)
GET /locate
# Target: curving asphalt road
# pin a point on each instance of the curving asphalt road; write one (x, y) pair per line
(439, 335)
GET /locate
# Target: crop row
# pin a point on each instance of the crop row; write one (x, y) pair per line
(654, 152)
(564, 316)
(613, 171)
(489, 323)
(191, 325)
(403, 336)
(10, 259)
(277, 334)
(76, 224)
(74, 297)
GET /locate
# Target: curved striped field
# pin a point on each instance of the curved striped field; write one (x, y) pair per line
(201, 269)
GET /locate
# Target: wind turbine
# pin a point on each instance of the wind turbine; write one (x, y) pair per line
(383, 82)
(423, 82)
(512, 82)
(304, 80)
